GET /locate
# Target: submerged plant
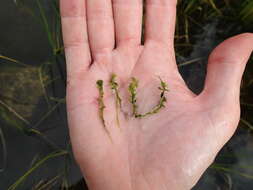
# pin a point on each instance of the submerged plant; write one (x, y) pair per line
(118, 102)
(37, 165)
(133, 95)
(163, 88)
(4, 148)
(133, 98)
(132, 88)
(100, 86)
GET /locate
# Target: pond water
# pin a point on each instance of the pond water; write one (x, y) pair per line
(31, 97)
(23, 38)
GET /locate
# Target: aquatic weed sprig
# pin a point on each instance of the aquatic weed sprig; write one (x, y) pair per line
(118, 101)
(100, 86)
(163, 88)
(132, 88)
(133, 93)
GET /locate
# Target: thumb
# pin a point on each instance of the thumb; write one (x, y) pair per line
(225, 69)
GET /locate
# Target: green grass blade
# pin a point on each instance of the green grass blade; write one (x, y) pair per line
(247, 11)
(225, 169)
(43, 86)
(212, 3)
(248, 124)
(191, 6)
(3, 142)
(190, 62)
(36, 166)
(47, 114)
(49, 184)
(10, 109)
(13, 60)
(45, 24)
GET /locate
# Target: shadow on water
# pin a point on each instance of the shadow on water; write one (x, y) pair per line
(32, 97)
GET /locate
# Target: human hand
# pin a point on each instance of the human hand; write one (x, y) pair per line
(171, 148)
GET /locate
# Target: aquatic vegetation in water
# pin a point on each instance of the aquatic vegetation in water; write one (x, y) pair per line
(36, 166)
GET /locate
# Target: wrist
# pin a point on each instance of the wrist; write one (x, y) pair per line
(104, 178)
(106, 172)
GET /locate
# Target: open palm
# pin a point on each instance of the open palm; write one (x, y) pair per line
(166, 150)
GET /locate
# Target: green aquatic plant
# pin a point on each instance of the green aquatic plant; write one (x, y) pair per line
(4, 148)
(100, 86)
(36, 166)
(50, 184)
(247, 124)
(133, 95)
(133, 98)
(118, 102)
(163, 88)
(246, 11)
(132, 88)
(11, 60)
(227, 169)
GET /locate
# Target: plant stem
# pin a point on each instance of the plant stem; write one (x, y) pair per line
(132, 89)
(133, 95)
(118, 102)
(3, 142)
(100, 86)
(36, 166)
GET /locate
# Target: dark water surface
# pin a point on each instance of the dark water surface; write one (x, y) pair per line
(24, 38)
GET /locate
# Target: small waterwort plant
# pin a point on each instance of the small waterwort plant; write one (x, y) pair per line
(133, 98)
(133, 95)
(100, 86)
(132, 88)
(163, 88)
(118, 101)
